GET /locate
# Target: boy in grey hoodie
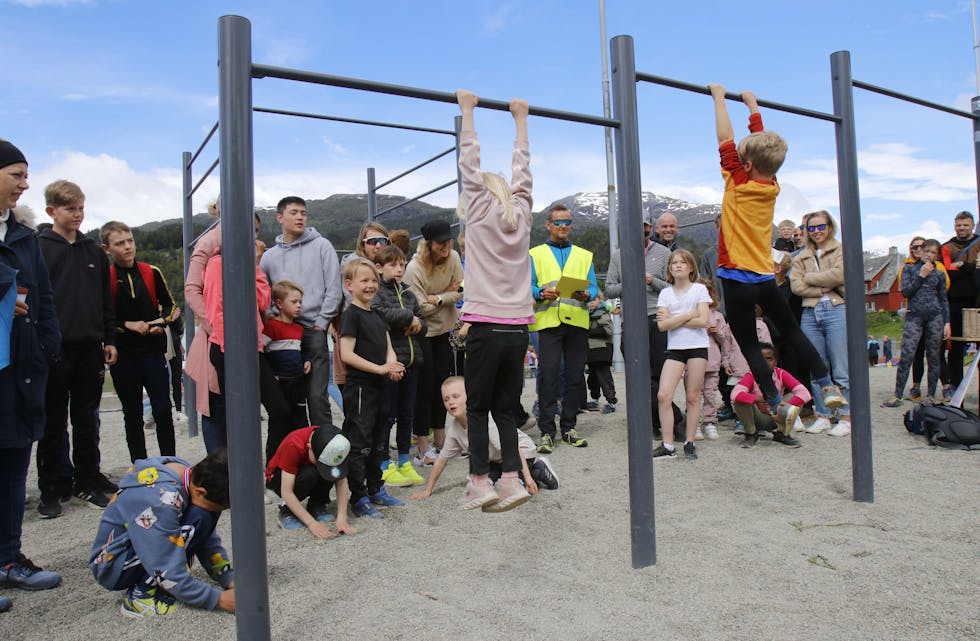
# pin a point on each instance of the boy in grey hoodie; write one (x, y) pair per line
(164, 514)
(305, 257)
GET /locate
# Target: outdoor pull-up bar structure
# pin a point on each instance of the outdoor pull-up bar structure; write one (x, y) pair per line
(235, 129)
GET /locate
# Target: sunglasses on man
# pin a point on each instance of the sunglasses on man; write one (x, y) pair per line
(377, 240)
(562, 222)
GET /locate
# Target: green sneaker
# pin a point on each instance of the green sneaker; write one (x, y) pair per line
(572, 438)
(139, 603)
(546, 445)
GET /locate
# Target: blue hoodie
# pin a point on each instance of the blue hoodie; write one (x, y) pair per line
(144, 517)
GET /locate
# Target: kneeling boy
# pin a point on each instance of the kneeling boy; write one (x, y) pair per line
(164, 514)
(534, 470)
(308, 463)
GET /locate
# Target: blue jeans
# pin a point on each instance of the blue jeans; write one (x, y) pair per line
(826, 327)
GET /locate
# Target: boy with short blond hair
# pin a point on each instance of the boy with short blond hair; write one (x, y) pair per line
(144, 306)
(745, 263)
(366, 350)
(283, 340)
(86, 315)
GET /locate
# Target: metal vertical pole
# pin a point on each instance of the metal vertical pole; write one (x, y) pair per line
(241, 336)
(610, 180)
(975, 108)
(639, 436)
(862, 470)
(372, 195)
(190, 388)
(458, 127)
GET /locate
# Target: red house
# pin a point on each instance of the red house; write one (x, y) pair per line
(882, 281)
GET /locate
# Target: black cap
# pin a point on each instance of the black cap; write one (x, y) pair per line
(437, 231)
(330, 449)
(10, 155)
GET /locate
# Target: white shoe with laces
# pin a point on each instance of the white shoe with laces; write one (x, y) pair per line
(711, 432)
(843, 428)
(820, 425)
(699, 435)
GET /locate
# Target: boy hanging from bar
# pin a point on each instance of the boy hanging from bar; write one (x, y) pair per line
(745, 265)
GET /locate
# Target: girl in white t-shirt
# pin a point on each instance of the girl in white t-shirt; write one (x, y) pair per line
(683, 314)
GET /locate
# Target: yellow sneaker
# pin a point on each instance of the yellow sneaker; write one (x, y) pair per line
(392, 476)
(408, 471)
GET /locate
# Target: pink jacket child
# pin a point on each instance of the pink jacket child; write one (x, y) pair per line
(719, 349)
(214, 300)
(747, 391)
(198, 365)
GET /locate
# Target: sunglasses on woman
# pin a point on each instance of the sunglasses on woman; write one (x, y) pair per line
(813, 228)
(377, 240)
(914, 247)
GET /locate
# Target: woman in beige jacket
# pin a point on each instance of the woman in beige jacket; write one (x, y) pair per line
(817, 276)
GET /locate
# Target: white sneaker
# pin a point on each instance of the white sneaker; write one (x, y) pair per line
(843, 428)
(799, 425)
(819, 425)
(711, 431)
(699, 435)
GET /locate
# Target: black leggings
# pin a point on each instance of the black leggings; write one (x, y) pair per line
(740, 301)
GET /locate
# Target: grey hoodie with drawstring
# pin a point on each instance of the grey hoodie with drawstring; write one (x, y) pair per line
(311, 262)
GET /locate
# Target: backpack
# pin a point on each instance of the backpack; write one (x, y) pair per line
(146, 272)
(947, 426)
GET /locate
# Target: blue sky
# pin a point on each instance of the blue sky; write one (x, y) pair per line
(108, 93)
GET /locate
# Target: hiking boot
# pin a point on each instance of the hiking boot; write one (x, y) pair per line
(832, 397)
(894, 401)
(381, 497)
(818, 426)
(572, 438)
(91, 498)
(785, 439)
(750, 440)
(23, 574)
(711, 432)
(49, 507)
(363, 507)
(392, 476)
(510, 492)
(915, 395)
(608, 408)
(544, 474)
(546, 445)
(661, 451)
(407, 471)
(478, 495)
(690, 452)
(592, 406)
(843, 428)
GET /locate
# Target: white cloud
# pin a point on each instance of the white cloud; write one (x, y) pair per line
(407, 149)
(335, 147)
(880, 243)
(872, 217)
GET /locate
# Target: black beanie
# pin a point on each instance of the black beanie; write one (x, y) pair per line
(10, 155)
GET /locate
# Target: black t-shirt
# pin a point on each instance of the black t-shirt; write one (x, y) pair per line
(370, 333)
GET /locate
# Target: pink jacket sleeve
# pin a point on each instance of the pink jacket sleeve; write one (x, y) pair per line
(801, 395)
(204, 249)
(744, 390)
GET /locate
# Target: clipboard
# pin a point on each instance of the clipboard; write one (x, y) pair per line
(568, 286)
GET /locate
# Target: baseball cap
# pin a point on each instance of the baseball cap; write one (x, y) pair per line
(648, 218)
(437, 231)
(330, 448)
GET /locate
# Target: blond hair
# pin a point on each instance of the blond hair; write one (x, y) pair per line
(452, 380)
(766, 150)
(282, 289)
(365, 228)
(352, 265)
(831, 226)
(62, 193)
(496, 185)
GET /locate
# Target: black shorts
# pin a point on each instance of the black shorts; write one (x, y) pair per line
(684, 355)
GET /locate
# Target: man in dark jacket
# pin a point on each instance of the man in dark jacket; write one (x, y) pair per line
(960, 255)
(34, 344)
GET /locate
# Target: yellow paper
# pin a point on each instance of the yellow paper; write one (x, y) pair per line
(568, 286)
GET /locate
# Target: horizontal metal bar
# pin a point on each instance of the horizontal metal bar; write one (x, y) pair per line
(355, 121)
(418, 166)
(268, 71)
(412, 200)
(918, 101)
(768, 104)
(204, 177)
(207, 139)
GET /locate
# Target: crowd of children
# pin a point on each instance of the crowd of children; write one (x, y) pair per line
(163, 512)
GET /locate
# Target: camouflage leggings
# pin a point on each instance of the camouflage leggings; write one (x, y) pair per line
(917, 327)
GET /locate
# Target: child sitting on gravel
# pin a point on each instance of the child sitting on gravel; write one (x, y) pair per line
(534, 470)
(755, 413)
